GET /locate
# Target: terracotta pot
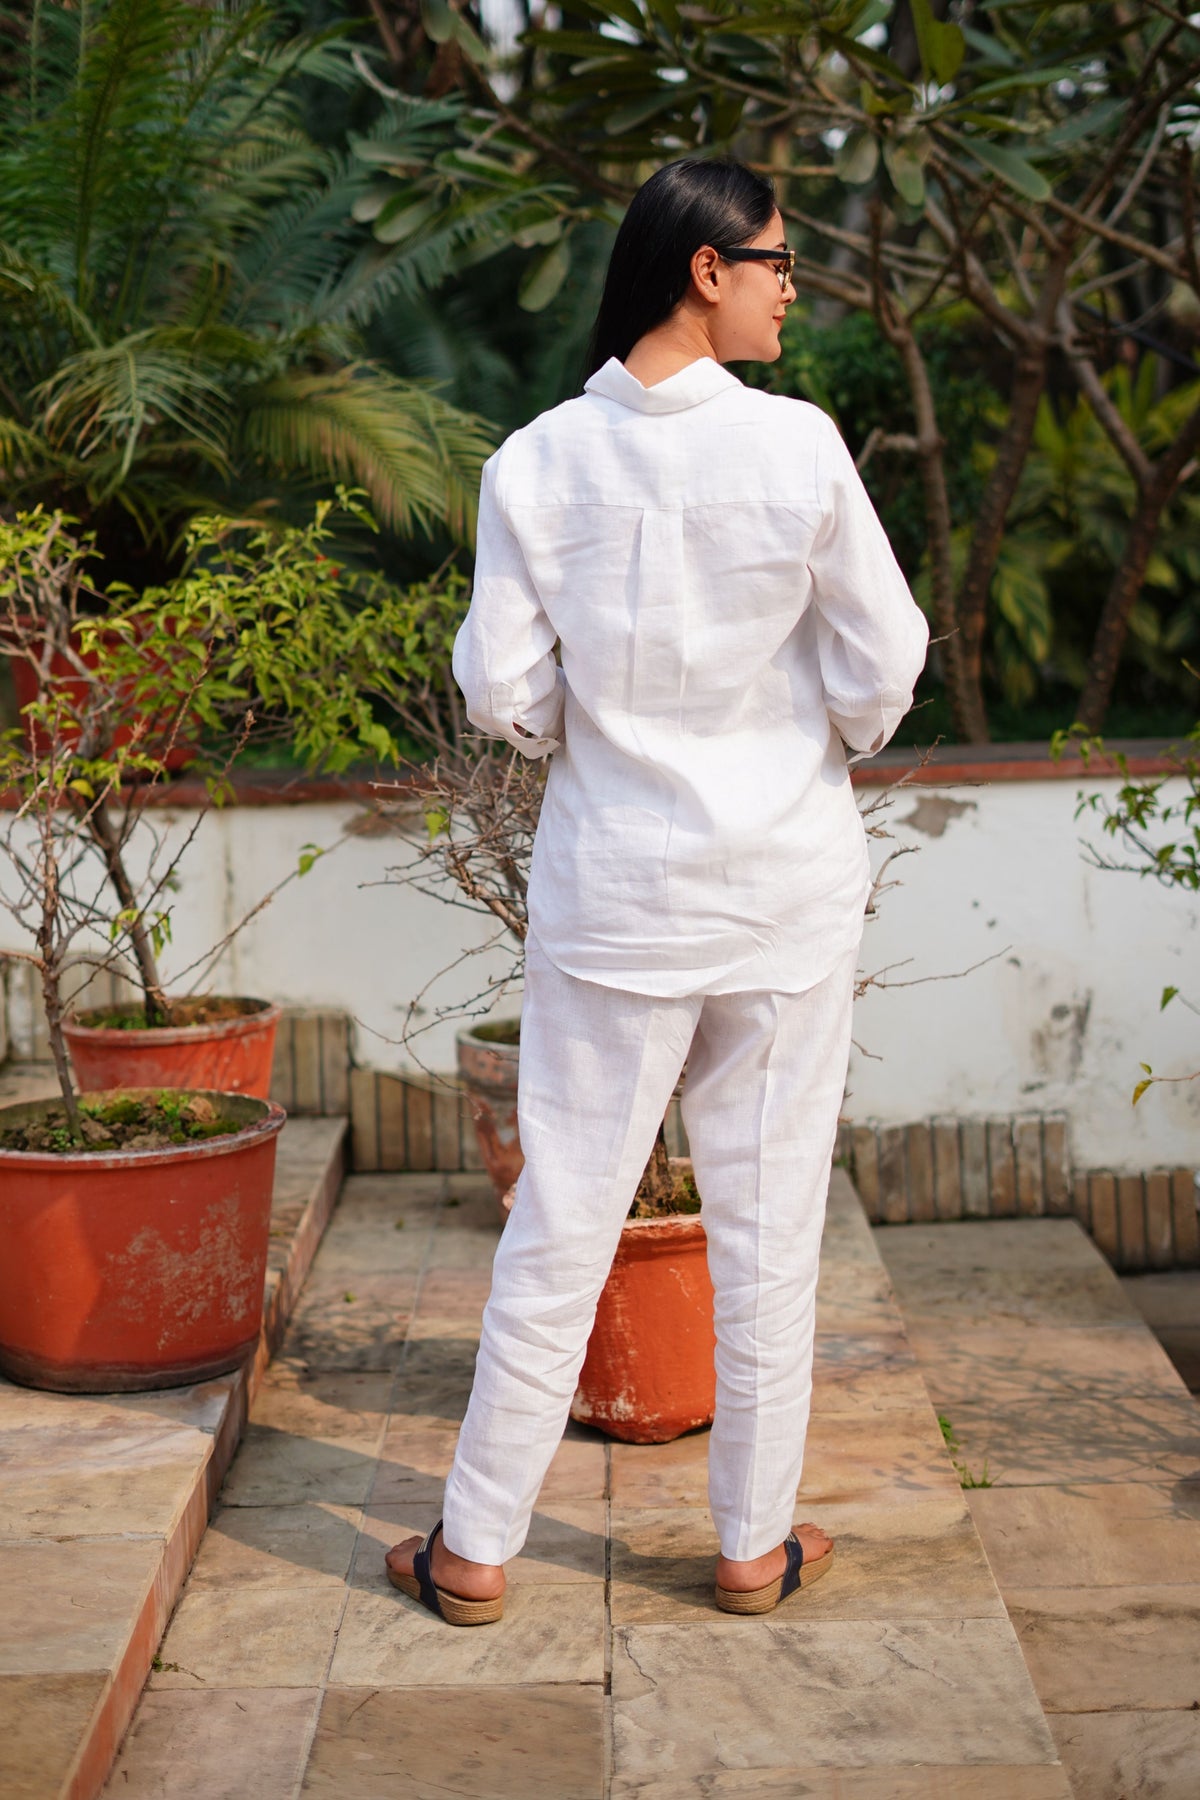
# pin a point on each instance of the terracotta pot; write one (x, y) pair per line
(140, 1268)
(232, 1056)
(73, 688)
(649, 1373)
(488, 1069)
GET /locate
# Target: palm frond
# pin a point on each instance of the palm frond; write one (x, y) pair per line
(99, 402)
(41, 321)
(460, 229)
(297, 252)
(184, 277)
(23, 452)
(417, 457)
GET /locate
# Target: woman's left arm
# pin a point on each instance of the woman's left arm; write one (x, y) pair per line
(504, 653)
(871, 634)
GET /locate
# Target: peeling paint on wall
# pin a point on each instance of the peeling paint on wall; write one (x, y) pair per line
(933, 812)
(1058, 1044)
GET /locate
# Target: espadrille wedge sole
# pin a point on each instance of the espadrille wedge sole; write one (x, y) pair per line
(452, 1608)
(798, 1574)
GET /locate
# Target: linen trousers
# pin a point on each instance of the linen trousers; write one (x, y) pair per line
(765, 1079)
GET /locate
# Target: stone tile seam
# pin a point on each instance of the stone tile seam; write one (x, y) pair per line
(388, 1414)
(400, 1687)
(86, 1537)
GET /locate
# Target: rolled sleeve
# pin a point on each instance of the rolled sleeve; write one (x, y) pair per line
(872, 636)
(504, 659)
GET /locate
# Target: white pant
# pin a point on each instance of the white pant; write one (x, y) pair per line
(766, 1074)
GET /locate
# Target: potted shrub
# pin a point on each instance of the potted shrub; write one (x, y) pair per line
(263, 632)
(135, 1222)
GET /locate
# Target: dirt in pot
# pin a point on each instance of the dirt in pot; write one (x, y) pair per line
(122, 1122)
(664, 1190)
(500, 1031)
(209, 1010)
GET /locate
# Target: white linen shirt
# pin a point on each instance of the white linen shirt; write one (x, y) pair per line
(727, 610)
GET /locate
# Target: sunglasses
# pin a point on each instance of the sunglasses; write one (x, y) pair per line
(784, 261)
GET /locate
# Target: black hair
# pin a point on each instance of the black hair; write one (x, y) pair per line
(683, 206)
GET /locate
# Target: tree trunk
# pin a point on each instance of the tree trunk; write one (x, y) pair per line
(976, 585)
(104, 835)
(1028, 386)
(931, 456)
(1126, 583)
(656, 1189)
(50, 969)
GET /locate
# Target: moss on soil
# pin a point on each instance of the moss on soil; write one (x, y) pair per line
(208, 1011)
(685, 1199)
(126, 1123)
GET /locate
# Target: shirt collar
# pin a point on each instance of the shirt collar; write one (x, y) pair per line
(699, 381)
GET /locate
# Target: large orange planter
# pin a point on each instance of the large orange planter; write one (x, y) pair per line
(649, 1373)
(487, 1067)
(232, 1056)
(138, 1269)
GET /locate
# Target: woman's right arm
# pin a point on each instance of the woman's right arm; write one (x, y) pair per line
(504, 658)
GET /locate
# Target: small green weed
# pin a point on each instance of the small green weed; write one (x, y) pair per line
(966, 1478)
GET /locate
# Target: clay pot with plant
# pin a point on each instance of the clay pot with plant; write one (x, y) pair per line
(135, 1221)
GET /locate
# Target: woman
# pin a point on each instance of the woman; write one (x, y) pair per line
(729, 618)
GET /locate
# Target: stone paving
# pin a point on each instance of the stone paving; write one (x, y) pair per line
(1170, 1305)
(291, 1666)
(1051, 1382)
(103, 1501)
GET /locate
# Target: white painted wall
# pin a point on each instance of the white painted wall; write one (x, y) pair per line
(1059, 1021)
(1069, 1008)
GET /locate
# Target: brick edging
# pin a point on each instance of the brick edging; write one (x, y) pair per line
(949, 765)
(1018, 1166)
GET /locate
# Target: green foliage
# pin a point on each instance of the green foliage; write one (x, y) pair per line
(1066, 536)
(848, 369)
(932, 170)
(264, 622)
(185, 285)
(1143, 811)
(317, 651)
(264, 631)
(1016, 95)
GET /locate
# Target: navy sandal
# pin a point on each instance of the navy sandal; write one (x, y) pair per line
(797, 1574)
(453, 1608)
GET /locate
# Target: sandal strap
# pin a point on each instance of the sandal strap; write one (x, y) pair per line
(424, 1574)
(795, 1561)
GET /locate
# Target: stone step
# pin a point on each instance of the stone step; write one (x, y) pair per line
(612, 1676)
(103, 1503)
(1059, 1397)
